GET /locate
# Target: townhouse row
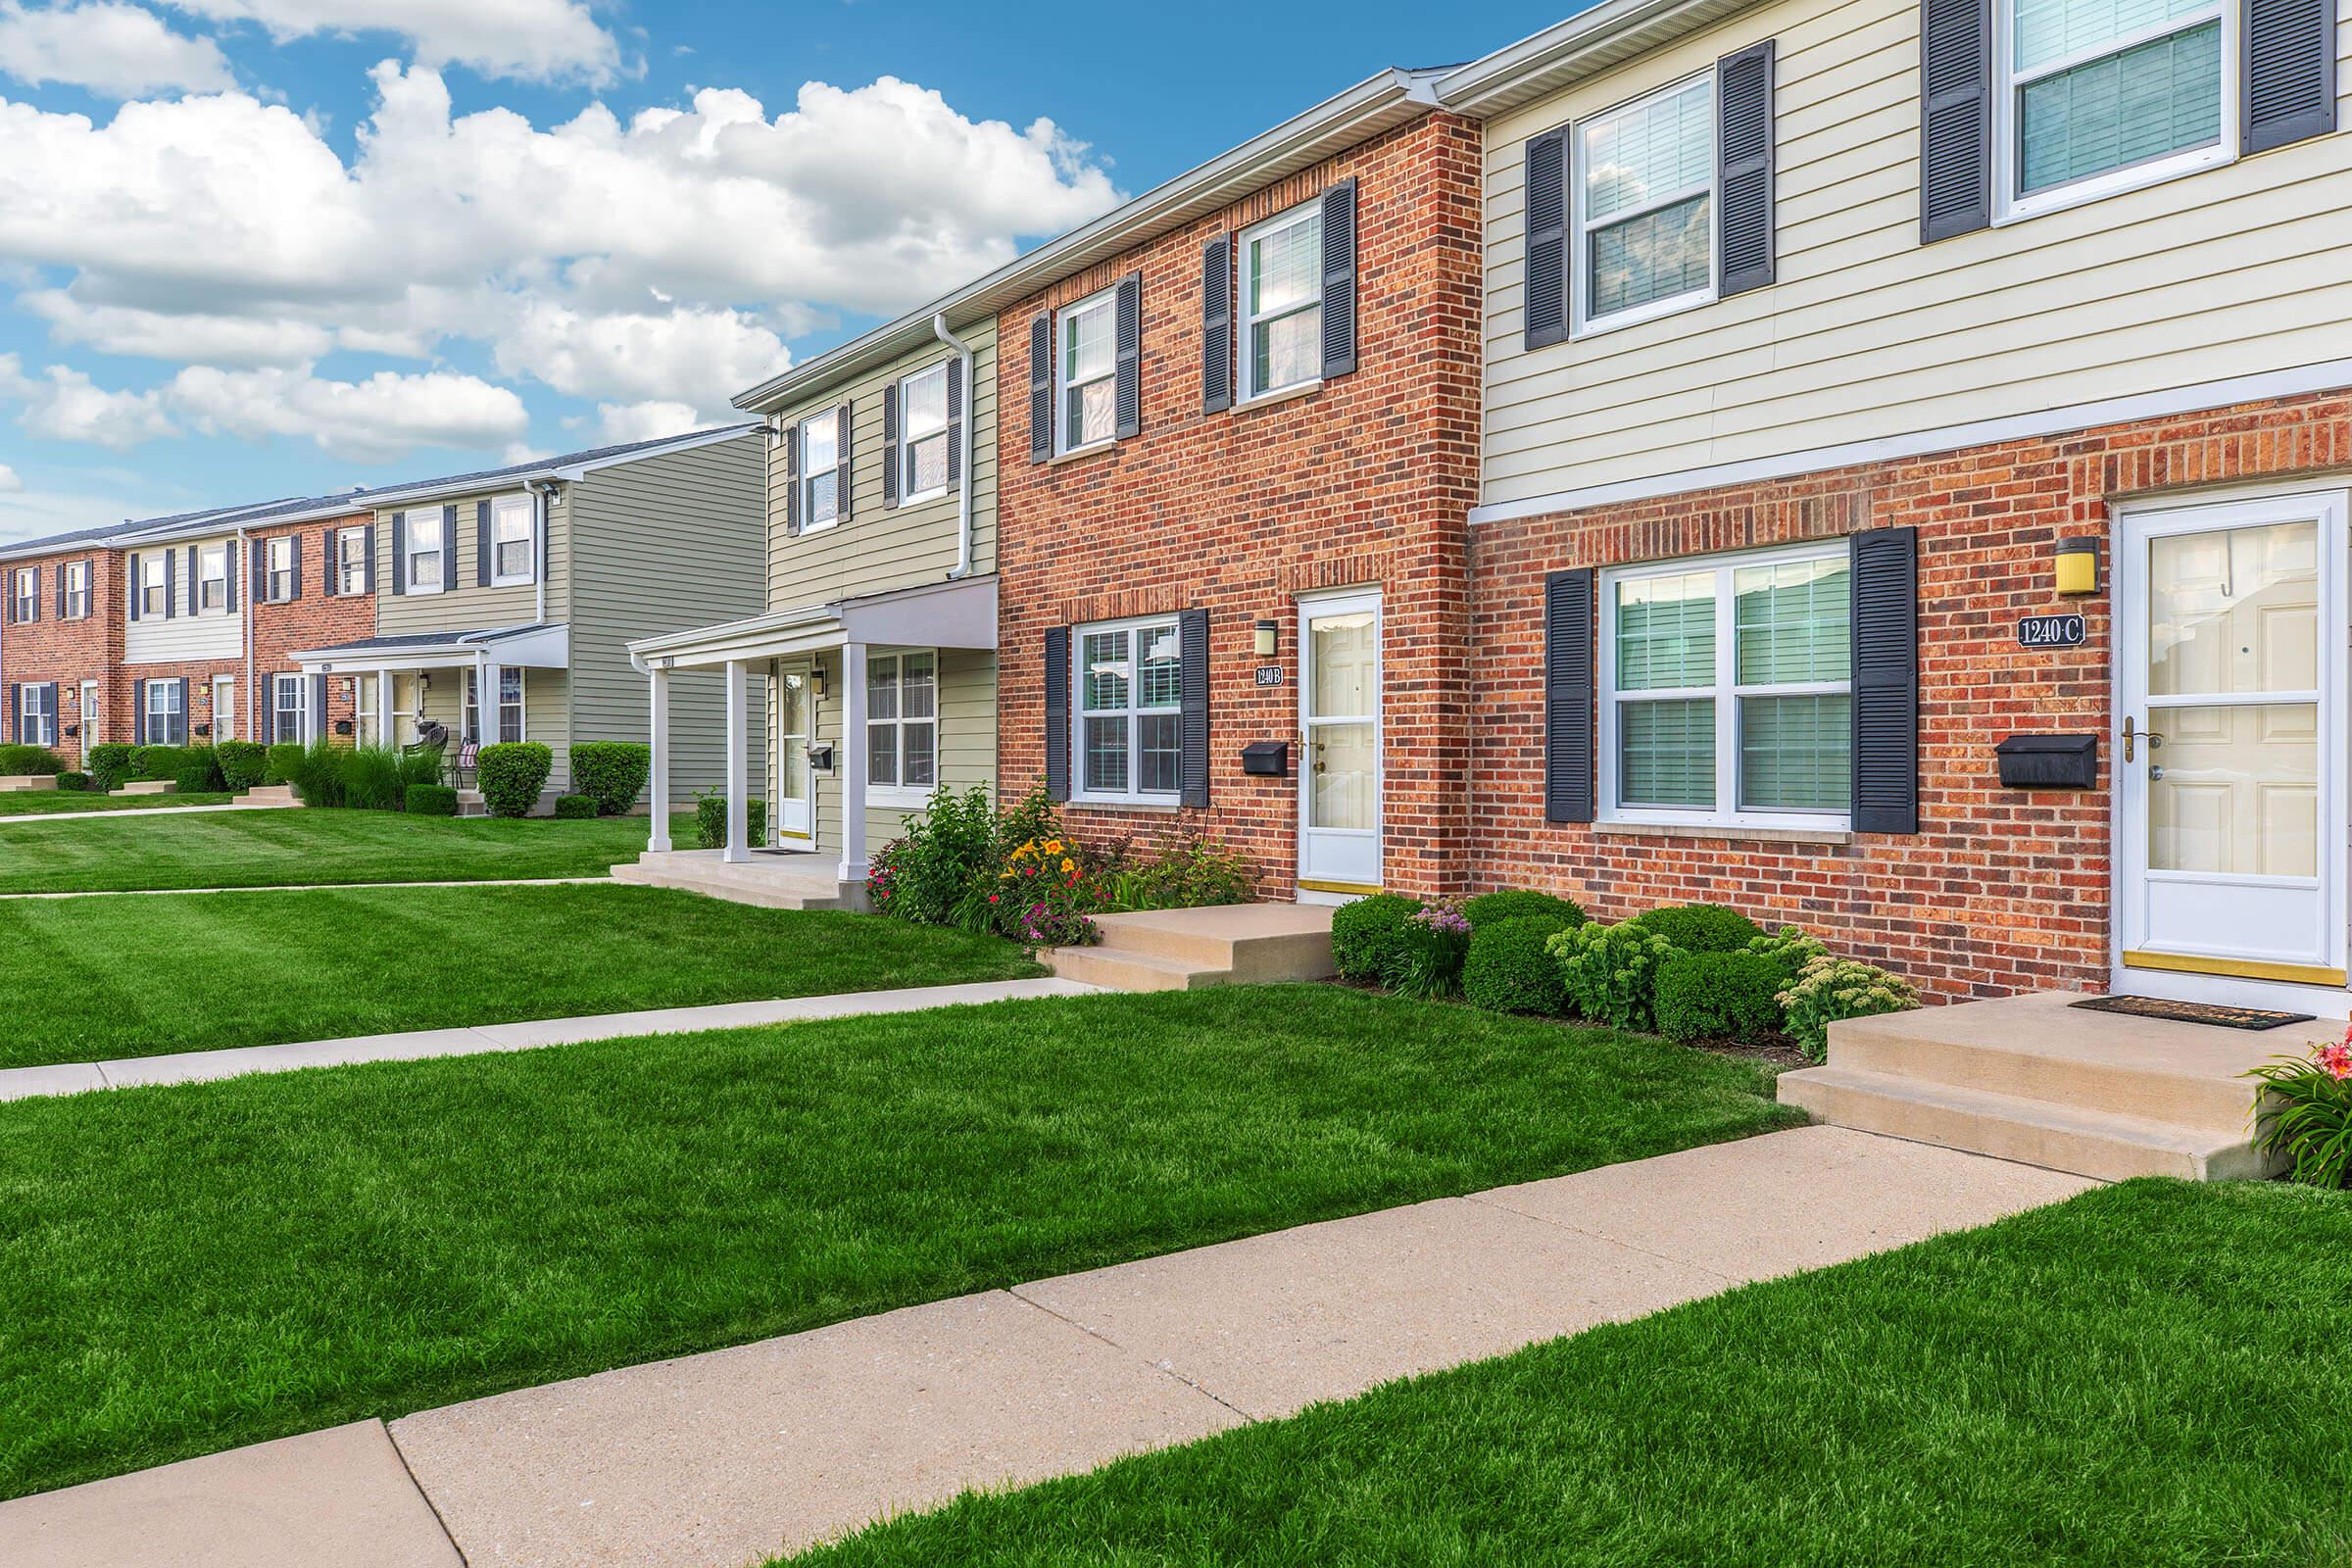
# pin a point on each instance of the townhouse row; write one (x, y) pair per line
(1880, 464)
(479, 607)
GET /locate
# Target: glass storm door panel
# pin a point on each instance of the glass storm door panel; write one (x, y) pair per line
(2229, 745)
(1340, 725)
(794, 784)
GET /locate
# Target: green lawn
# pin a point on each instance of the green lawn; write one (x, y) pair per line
(268, 848)
(2154, 1374)
(90, 979)
(63, 803)
(190, 1268)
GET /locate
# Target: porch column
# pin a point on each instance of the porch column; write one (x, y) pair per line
(384, 708)
(737, 851)
(486, 702)
(658, 840)
(851, 768)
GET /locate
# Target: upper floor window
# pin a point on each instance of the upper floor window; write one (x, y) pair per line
(901, 722)
(351, 560)
(1282, 302)
(1130, 680)
(425, 564)
(77, 589)
(1088, 373)
(212, 579)
(821, 470)
(2107, 93)
(155, 584)
(514, 536)
(24, 601)
(279, 564)
(1645, 227)
(923, 434)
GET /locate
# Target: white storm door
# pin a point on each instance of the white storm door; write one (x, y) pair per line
(796, 785)
(224, 707)
(1339, 726)
(2229, 746)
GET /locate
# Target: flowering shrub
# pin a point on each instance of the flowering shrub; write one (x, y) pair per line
(1828, 989)
(962, 862)
(1427, 961)
(1042, 896)
(2305, 1113)
(1610, 971)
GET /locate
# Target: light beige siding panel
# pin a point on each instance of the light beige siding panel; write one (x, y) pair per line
(459, 606)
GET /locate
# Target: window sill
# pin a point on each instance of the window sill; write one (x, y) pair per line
(898, 796)
(921, 496)
(512, 582)
(1725, 830)
(1078, 453)
(2115, 182)
(1289, 394)
(1102, 804)
(1639, 315)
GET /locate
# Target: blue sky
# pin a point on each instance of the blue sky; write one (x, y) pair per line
(252, 248)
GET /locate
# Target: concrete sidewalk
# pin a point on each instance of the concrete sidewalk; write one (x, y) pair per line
(312, 886)
(106, 814)
(720, 1460)
(195, 1067)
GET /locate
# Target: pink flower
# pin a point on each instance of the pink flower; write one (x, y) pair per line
(2335, 1060)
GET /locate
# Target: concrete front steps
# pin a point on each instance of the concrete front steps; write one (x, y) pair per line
(269, 795)
(769, 881)
(1183, 950)
(2032, 1079)
(25, 783)
(149, 786)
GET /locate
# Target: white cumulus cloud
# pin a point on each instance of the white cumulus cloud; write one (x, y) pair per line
(620, 422)
(695, 357)
(118, 50)
(8, 479)
(374, 420)
(62, 404)
(540, 39)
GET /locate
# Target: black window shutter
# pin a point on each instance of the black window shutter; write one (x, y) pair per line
(2289, 71)
(1216, 324)
(230, 574)
(1041, 386)
(179, 720)
(1544, 311)
(367, 543)
(400, 552)
(1192, 637)
(1057, 713)
(170, 582)
(1955, 118)
(1339, 279)
(261, 572)
(792, 480)
(1886, 631)
(1744, 168)
(136, 590)
(955, 423)
(64, 607)
(449, 546)
(138, 713)
(195, 589)
(484, 555)
(330, 563)
(294, 569)
(841, 464)
(15, 714)
(56, 720)
(1568, 696)
(1127, 390)
(890, 442)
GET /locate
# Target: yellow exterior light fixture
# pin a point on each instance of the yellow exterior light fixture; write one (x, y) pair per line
(2078, 568)
(1268, 633)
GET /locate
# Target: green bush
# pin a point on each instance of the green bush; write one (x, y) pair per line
(1718, 995)
(1509, 968)
(242, 763)
(1791, 947)
(112, 766)
(1831, 988)
(283, 764)
(1427, 961)
(199, 771)
(1703, 927)
(39, 759)
(611, 773)
(511, 774)
(711, 819)
(574, 808)
(1513, 904)
(1610, 971)
(1185, 871)
(158, 761)
(72, 783)
(431, 800)
(370, 777)
(1365, 935)
(944, 855)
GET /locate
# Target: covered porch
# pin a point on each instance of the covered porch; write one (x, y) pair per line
(473, 685)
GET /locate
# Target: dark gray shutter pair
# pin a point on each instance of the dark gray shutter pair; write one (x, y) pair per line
(841, 464)
(484, 552)
(1191, 635)
(1884, 591)
(791, 479)
(1057, 713)
(1041, 386)
(1127, 391)
(400, 552)
(890, 442)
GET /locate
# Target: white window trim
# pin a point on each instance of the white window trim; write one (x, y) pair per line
(93, 708)
(86, 594)
(205, 578)
(42, 722)
(806, 475)
(1725, 692)
(157, 708)
(24, 595)
(272, 571)
(224, 727)
(1134, 794)
(502, 508)
(1246, 391)
(1580, 275)
(154, 587)
(908, 495)
(905, 795)
(280, 684)
(2009, 205)
(1109, 300)
(345, 565)
(416, 548)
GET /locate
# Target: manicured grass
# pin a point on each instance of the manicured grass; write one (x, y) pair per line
(90, 979)
(2154, 1374)
(64, 803)
(310, 847)
(189, 1268)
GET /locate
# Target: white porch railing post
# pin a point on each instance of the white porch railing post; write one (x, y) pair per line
(851, 768)
(658, 840)
(384, 708)
(737, 850)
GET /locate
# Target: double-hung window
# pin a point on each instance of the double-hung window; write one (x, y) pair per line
(902, 723)
(509, 702)
(923, 434)
(167, 721)
(1130, 680)
(211, 579)
(821, 470)
(36, 715)
(26, 597)
(77, 589)
(351, 560)
(155, 585)
(1728, 690)
(514, 539)
(1282, 302)
(277, 555)
(1644, 185)
(1088, 373)
(285, 708)
(2104, 94)
(424, 552)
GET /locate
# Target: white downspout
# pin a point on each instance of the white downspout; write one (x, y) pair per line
(963, 497)
(543, 494)
(245, 566)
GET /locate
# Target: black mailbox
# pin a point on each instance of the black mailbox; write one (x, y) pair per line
(342, 726)
(820, 758)
(1267, 758)
(2049, 762)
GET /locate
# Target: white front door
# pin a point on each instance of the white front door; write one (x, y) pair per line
(795, 783)
(224, 707)
(2230, 751)
(1339, 723)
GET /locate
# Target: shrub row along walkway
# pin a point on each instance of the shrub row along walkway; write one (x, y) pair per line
(711, 1461)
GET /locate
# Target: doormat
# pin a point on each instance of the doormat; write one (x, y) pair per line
(2192, 1012)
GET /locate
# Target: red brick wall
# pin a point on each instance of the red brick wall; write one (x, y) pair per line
(67, 652)
(1367, 481)
(2002, 889)
(317, 620)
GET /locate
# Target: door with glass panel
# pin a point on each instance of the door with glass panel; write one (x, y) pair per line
(1339, 721)
(796, 785)
(2229, 743)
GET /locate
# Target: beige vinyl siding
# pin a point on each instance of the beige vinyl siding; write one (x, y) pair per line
(545, 713)
(459, 606)
(1867, 333)
(875, 548)
(663, 544)
(967, 742)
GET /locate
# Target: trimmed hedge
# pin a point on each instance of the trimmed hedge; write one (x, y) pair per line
(1510, 970)
(1367, 937)
(1718, 995)
(611, 773)
(16, 760)
(1702, 928)
(242, 763)
(73, 783)
(199, 773)
(282, 763)
(572, 808)
(1513, 904)
(112, 766)
(710, 820)
(511, 774)
(431, 800)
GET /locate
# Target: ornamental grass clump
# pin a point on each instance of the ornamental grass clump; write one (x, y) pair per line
(2304, 1114)
(1828, 989)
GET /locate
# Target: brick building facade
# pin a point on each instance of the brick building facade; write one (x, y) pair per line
(72, 652)
(314, 618)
